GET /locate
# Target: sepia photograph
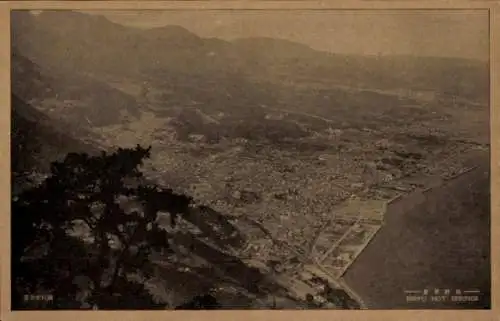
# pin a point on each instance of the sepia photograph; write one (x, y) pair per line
(250, 159)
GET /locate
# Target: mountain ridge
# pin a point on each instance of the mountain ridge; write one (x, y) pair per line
(178, 50)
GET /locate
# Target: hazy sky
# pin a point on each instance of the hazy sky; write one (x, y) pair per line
(431, 33)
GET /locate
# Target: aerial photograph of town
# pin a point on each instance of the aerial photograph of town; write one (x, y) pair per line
(250, 159)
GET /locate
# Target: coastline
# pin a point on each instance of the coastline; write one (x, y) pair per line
(415, 221)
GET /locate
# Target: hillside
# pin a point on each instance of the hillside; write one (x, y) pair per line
(37, 140)
(71, 97)
(177, 50)
(170, 67)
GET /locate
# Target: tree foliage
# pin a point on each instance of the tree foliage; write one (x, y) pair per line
(86, 232)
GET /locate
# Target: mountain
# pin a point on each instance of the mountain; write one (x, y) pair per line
(94, 73)
(27, 80)
(70, 96)
(96, 45)
(37, 140)
(93, 44)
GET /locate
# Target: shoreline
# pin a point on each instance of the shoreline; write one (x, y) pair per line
(405, 223)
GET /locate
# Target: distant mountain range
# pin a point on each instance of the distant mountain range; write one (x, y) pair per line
(91, 43)
(63, 59)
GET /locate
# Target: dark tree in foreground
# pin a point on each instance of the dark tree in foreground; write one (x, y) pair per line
(85, 234)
